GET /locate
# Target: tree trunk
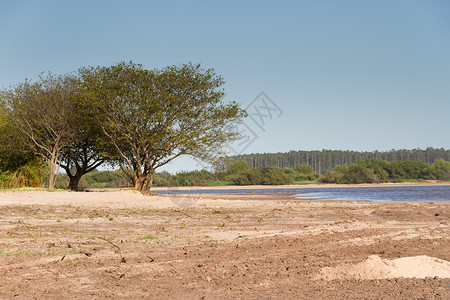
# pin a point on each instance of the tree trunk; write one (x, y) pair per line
(142, 183)
(149, 182)
(139, 182)
(52, 176)
(74, 180)
(51, 181)
(53, 164)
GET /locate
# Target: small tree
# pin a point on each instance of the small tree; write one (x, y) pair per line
(304, 172)
(237, 166)
(151, 117)
(441, 169)
(44, 113)
(82, 155)
(14, 150)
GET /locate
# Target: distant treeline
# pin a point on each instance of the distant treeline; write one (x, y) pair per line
(377, 170)
(366, 171)
(239, 173)
(322, 161)
(97, 179)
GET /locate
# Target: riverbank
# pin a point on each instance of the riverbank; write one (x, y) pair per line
(303, 186)
(122, 244)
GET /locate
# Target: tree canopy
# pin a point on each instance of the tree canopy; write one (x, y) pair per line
(150, 117)
(138, 118)
(43, 112)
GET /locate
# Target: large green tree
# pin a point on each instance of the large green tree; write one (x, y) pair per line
(151, 117)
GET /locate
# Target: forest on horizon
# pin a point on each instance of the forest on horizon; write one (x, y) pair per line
(239, 172)
(325, 160)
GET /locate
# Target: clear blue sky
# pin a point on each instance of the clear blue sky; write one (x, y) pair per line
(358, 75)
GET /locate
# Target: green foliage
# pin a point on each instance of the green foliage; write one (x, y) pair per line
(14, 151)
(151, 117)
(237, 166)
(31, 174)
(249, 177)
(138, 118)
(409, 170)
(19, 167)
(304, 169)
(359, 174)
(263, 176)
(305, 172)
(98, 179)
(362, 172)
(148, 237)
(374, 164)
(163, 179)
(440, 169)
(382, 174)
(324, 160)
(291, 173)
(332, 177)
(376, 170)
(275, 176)
(342, 169)
(193, 178)
(45, 112)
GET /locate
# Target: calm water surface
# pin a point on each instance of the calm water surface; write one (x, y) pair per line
(394, 193)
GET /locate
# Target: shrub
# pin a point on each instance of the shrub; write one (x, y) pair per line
(249, 177)
(359, 174)
(237, 166)
(275, 176)
(440, 169)
(332, 177)
(32, 174)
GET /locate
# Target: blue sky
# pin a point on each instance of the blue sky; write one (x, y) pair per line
(357, 75)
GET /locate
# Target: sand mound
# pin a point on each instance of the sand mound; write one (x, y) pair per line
(376, 268)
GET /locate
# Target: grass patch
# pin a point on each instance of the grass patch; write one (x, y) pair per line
(35, 252)
(219, 183)
(399, 180)
(26, 252)
(305, 182)
(230, 219)
(148, 237)
(26, 189)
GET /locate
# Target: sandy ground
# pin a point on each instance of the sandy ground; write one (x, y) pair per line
(121, 244)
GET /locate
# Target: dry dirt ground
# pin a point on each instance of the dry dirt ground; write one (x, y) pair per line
(116, 245)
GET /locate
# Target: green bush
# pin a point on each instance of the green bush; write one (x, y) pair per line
(440, 169)
(332, 177)
(305, 172)
(275, 176)
(97, 179)
(248, 177)
(409, 170)
(359, 174)
(335, 176)
(32, 174)
(237, 166)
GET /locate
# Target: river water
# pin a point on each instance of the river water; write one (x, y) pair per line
(380, 193)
